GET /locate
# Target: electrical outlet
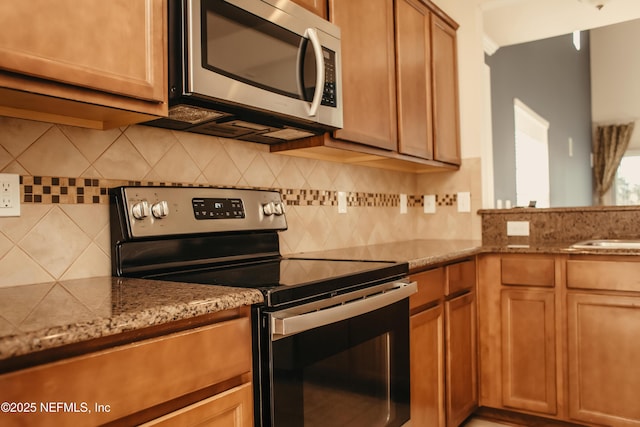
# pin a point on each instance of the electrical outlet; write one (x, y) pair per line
(429, 203)
(464, 201)
(9, 194)
(403, 203)
(342, 202)
(517, 228)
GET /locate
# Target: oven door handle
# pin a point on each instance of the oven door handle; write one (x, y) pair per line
(286, 323)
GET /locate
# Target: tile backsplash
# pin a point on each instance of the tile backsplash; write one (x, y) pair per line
(63, 230)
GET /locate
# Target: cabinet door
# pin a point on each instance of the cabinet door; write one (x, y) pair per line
(427, 368)
(445, 92)
(413, 41)
(528, 350)
(368, 71)
(232, 408)
(460, 350)
(114, 46)
(319, 7)
(603, 354)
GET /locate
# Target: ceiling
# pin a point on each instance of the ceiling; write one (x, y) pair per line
(508, 22)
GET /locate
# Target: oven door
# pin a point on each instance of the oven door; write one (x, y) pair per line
(346, 365)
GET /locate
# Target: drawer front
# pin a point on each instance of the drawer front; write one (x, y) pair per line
(231, 408)
(528, 271)
(130, 378)
(607, 275)
(431, 284)
(461, 276)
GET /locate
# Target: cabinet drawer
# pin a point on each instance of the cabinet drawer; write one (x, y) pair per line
(231, 408)
(609, 275)
(431, 284)
(461, 276)
(132, 377)
(528, 271)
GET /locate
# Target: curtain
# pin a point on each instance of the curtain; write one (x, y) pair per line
(610, 144)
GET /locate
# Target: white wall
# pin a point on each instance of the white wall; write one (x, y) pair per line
(615, 75)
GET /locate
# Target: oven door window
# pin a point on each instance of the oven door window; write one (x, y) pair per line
(247, 48)
(351, 373)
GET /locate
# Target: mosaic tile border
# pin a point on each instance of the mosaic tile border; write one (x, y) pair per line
(65, 190)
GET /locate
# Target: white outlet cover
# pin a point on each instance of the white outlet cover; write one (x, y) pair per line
(464, 201)
(403, 203)
(517, 228)
(429, 203)
(342, 202)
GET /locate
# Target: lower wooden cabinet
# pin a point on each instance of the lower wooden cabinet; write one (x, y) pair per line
(528, 350)
(427, 368)
(443, 347)
(603, 355)
(558, 336)
(460, 350)
(143, 380)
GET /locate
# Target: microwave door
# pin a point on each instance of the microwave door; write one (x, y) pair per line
(245, 59)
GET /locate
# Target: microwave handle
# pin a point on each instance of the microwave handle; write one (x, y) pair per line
(312, 34)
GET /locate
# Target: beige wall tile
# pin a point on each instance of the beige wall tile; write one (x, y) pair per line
(151, 154)
(122, 161)
(53, 155)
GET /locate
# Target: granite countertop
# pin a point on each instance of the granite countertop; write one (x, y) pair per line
(418, 253)
(49, 315)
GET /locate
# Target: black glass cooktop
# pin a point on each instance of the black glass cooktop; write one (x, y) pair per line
(285, 280)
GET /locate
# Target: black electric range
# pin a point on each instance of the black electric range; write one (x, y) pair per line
(225, 237)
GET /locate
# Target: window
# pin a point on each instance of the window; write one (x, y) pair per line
(627, 182)
(532, 156)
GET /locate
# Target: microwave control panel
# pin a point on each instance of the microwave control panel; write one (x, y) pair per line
(329, 93)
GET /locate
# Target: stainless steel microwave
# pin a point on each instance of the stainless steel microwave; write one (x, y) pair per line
(261, 70)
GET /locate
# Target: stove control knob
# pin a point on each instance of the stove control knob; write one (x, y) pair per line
(269, 208)
(140, 210)
(160, 209)
(278, 208)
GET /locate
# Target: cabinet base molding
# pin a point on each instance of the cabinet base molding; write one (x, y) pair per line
(520, 420)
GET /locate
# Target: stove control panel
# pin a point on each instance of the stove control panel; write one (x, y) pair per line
(207, 208)
(164, 211)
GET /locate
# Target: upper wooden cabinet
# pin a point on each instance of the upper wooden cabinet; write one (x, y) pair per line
(399, 88)
(368, 71)
(91, 63)
(446, 121)
(319, 7)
